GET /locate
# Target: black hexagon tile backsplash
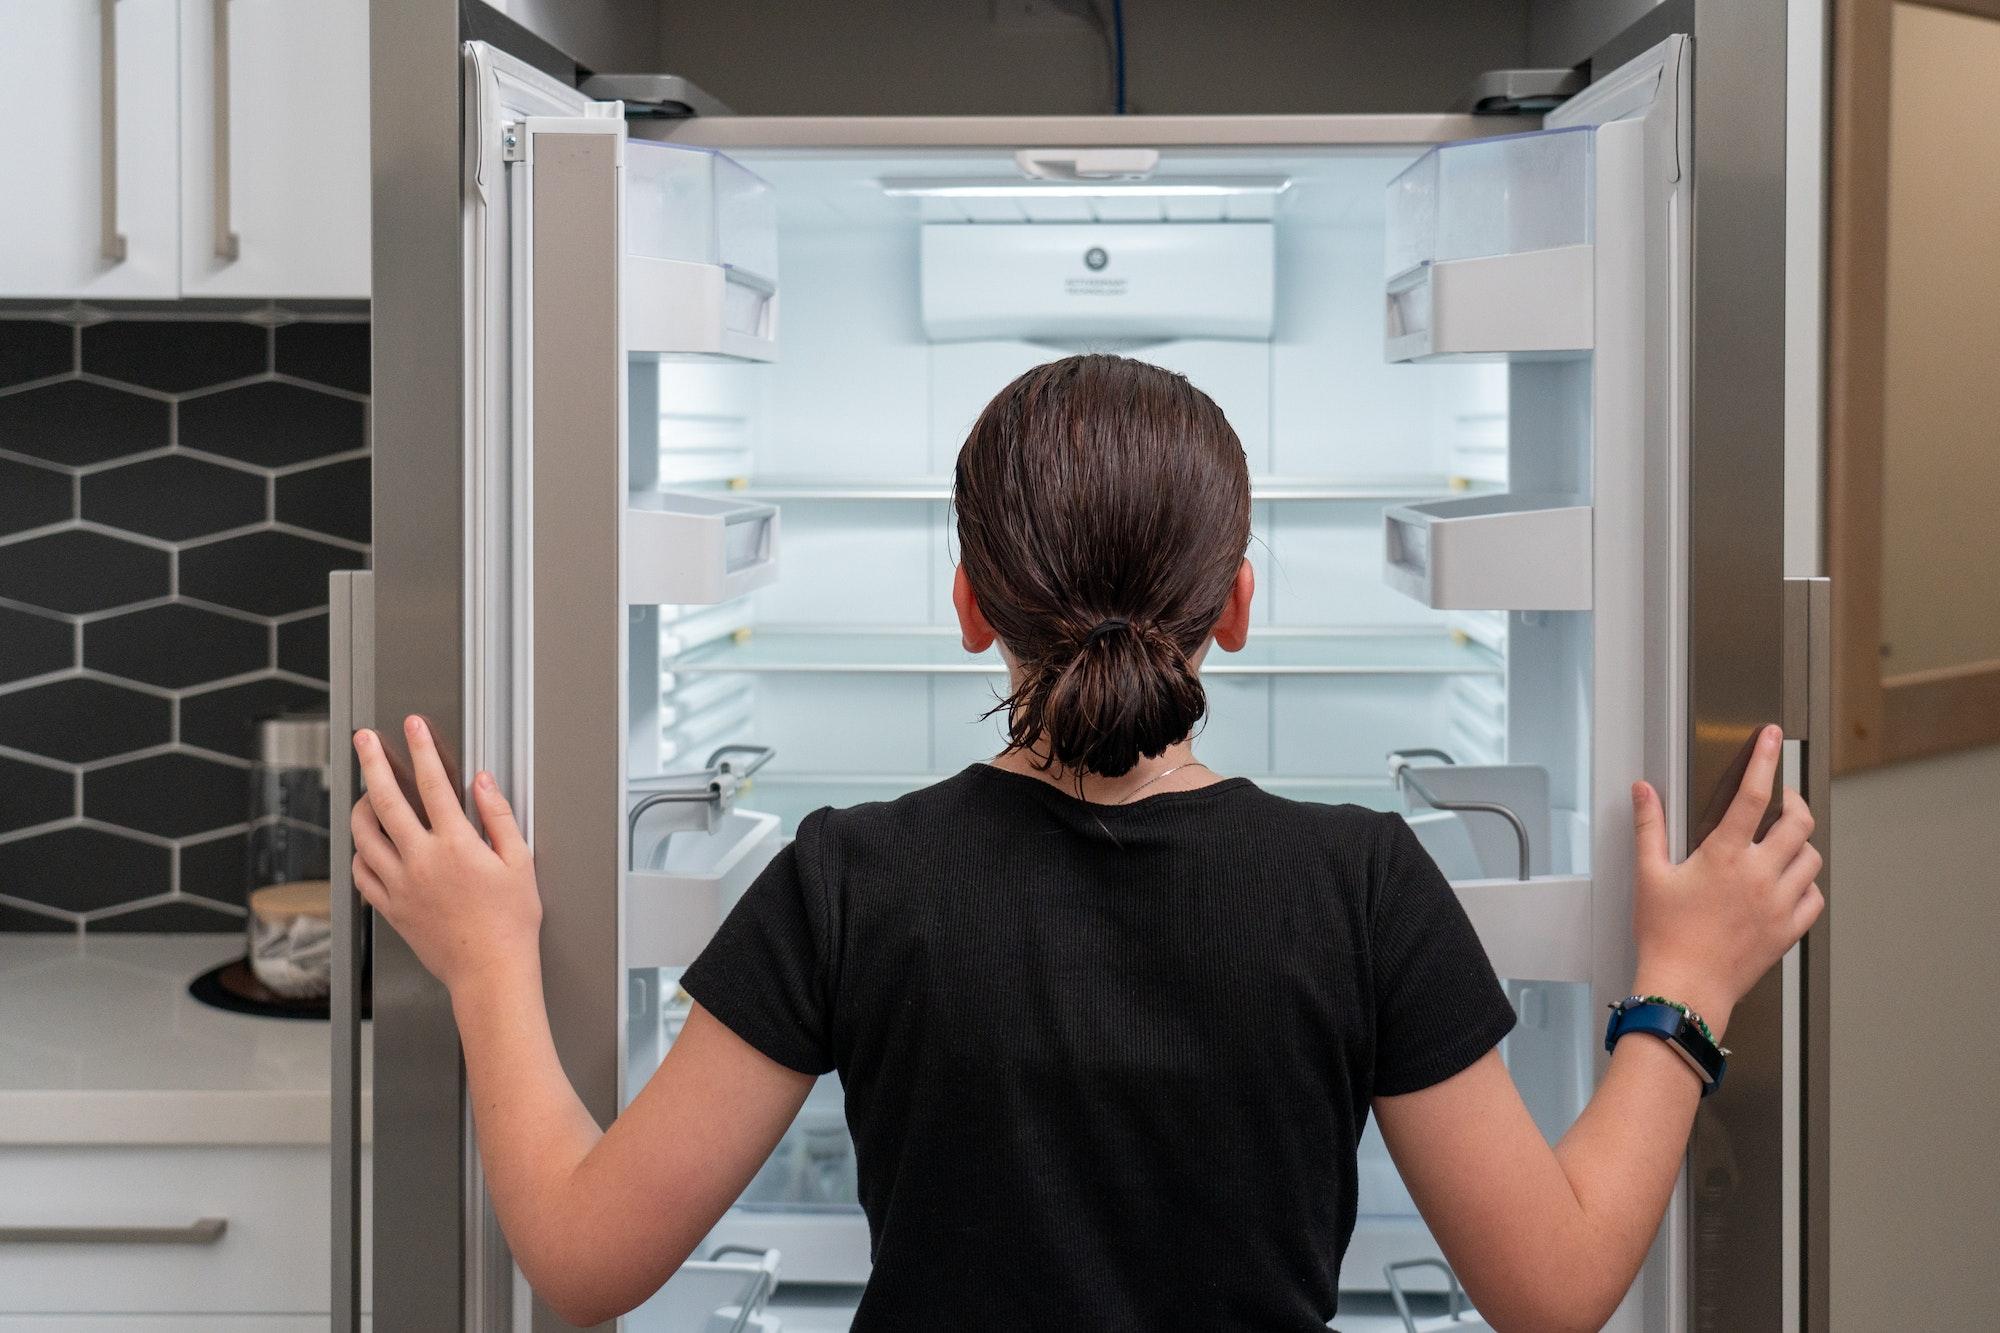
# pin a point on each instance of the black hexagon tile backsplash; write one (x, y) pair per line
(175, 497)
(175, 485)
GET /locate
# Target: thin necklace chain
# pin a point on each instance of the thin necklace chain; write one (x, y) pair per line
(1133, 795)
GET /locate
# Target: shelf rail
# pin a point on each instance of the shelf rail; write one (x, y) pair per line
(1399, 769)
(699, 806)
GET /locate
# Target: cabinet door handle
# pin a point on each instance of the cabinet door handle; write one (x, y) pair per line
(201, 1231)
(227, 246)
(110, 241)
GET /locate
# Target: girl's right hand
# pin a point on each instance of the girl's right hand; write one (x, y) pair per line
(1710, 927)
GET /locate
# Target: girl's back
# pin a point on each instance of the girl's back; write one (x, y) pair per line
(1106, 1065)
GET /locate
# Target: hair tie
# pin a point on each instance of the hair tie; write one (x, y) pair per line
(1104, 627)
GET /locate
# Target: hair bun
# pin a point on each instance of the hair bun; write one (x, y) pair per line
(1125, 691)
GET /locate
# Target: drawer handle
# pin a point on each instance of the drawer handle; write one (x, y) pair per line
(201, 1231)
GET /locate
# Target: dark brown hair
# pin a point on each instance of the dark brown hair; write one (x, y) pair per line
(1103, 509)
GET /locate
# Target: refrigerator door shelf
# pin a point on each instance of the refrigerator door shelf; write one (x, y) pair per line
(683, 549)
(672, 912)
(1491, 553)
(709, 1295)
(1533, 930)
(684, 308)
(1495, 842)
(1537, 305)
(824, 1246)
(1503, 196)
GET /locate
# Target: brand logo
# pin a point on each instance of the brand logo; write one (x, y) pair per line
(1094, 258)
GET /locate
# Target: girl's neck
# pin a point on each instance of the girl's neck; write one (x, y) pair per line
(1174, 769)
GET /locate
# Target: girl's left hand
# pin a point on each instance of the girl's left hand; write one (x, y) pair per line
(468, 909)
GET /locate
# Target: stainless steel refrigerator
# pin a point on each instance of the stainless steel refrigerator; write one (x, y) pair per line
(665, 410)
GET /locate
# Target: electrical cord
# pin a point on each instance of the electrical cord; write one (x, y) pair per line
(1118, 41)
(1112, 33)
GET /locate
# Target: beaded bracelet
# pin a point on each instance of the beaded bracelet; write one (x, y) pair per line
(1685, 1012)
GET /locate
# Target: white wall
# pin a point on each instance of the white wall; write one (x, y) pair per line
(952, 57)
(1916, 1083)
(1941, 417)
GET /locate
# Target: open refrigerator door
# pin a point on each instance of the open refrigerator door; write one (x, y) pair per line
(1474, 552)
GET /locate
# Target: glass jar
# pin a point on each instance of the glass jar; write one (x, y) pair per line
(290, 936)
(288, 800)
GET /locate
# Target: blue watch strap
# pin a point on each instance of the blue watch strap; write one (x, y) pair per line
(1673, 1027)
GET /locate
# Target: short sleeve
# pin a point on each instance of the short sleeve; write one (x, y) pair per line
(1438, 1005)
(764, 974)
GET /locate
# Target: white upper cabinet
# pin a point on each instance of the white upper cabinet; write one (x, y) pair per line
(274, 147)
(89, 170)
(167, 148)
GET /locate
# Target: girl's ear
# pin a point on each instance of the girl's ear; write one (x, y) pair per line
(973, 631)
(1233, 629)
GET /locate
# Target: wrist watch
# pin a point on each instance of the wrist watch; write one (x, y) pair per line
(1676, 1025)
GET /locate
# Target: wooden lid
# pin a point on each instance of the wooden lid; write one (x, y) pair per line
(304, 897)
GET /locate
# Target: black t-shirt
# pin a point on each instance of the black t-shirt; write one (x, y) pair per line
(1106, 1066)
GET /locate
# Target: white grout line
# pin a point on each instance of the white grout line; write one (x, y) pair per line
(44, 382)
(227, 909)
(36, 830)
(220, 460)
(33, 908)
(125, 460)
(123, 386)
(344, 456)
(16, 456)
(330, 390)
(36, 534)
(132, 834)
(345, 543)
(126, 909)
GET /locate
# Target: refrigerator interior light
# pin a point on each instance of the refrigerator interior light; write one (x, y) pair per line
(1187, 187)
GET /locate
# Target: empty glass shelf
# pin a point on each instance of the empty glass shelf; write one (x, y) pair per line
(1272, 653)
(937, 490)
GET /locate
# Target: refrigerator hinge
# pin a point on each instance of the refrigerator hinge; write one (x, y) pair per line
(655, 96)
(1519, 92)
(513, 142)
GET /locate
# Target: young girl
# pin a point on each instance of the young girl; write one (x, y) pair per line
(1110, 1024)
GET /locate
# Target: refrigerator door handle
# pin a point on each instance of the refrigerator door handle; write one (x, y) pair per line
(1808, 693)
(350, 705)
(1808, 718)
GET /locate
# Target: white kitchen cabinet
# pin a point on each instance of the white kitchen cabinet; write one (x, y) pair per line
(91, 159)
(274, 148)
(168, 148)
(267, 1261)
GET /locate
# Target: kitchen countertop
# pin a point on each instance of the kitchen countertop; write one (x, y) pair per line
(100, 1043)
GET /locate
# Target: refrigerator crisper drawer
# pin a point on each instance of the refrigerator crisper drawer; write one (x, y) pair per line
(672, 911)
(683, 549)
(1489, 249)
(1491, 553)
(701, 256)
